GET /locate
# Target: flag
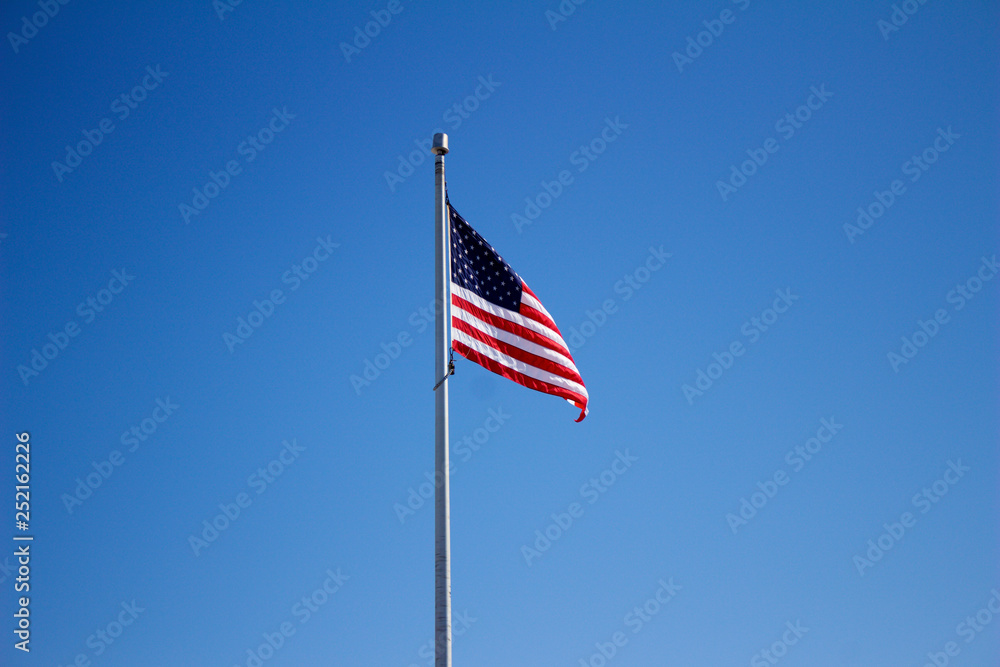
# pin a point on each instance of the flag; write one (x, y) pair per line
(499, 323)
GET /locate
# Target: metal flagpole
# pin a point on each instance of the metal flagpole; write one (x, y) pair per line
(442, 500)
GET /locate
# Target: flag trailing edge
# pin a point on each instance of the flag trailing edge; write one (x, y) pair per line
(499, 323)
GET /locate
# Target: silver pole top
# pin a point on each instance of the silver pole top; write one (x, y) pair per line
(440, 146)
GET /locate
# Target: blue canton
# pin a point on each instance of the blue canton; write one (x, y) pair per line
(476, 266)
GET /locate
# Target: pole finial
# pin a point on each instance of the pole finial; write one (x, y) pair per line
(440, 145)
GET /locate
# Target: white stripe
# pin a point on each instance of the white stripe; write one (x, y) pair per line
(520, 367)
(512, 339)
(508, 315)
(531, 301)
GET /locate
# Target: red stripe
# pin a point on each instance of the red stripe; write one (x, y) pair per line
(522, 379)
(539, 316)
(517, 353)
(535, 314)
(511, 327)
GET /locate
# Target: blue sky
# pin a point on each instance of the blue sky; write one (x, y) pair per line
(241, 219)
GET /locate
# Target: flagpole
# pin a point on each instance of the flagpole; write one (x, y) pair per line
(442, 495)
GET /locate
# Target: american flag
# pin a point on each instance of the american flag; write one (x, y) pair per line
(499, 323)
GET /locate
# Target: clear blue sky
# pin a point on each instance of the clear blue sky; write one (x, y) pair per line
(207, 162)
